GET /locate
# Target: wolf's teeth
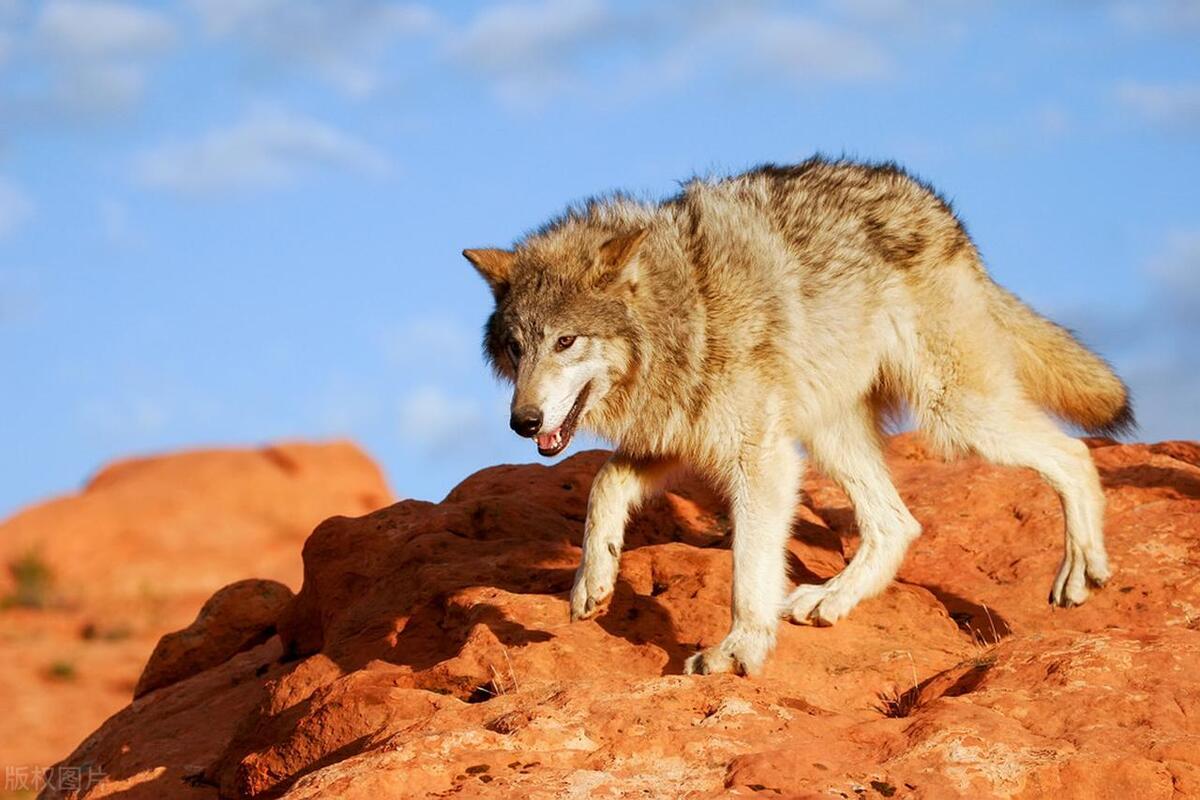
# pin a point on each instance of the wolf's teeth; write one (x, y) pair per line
(550, 441)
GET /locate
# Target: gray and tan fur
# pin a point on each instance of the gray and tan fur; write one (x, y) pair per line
(798, 304)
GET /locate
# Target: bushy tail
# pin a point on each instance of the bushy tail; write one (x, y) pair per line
(1061, 374)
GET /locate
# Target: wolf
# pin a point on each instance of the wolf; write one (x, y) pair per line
(804, 304)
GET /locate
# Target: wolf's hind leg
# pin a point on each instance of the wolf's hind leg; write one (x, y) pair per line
(620, 485)
(1014, 433)
(849, 452)
(763, 499)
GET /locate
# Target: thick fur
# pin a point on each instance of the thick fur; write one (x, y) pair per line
(802, 303)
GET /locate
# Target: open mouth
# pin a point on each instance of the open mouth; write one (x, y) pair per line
(554, 442)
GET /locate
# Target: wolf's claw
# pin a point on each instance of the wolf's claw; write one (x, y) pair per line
(589, 593)
(743, 652)
(590, 606)
(711, 662)
(1080, 568)
(586, 607)
(822, 604)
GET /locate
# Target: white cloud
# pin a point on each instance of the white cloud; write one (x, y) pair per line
(516, 37)
(102, 87)
(433, 419)
(94, 54)
(889, 11)
(92, 29)
(311, 17)
(805, 49)
(268, 148)
(1171, 105)
(527, 49)
(15, 207)
(532, 51)
(342, 42)
(752, 42)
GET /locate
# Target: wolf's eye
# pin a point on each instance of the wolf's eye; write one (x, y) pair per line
(564, 342)
(514, 350)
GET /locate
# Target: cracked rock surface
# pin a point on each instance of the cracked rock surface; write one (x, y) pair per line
(429, 654)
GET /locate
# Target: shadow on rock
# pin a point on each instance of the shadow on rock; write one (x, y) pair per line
(985, 625)
(1181, 483)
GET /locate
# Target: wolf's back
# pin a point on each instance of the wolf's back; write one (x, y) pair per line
(1061, 374)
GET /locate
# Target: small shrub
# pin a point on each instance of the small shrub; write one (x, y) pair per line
(33, 582)
(61, 671)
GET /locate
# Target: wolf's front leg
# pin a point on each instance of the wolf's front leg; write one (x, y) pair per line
(763, 500)
(620, 485)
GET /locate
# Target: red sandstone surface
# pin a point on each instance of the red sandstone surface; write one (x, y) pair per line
(94, 579)
(428, 654)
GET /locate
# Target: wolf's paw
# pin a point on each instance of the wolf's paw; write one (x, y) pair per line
(593, 586)
(1079, 569)
(823, 604)
(741, 652)
(1098, 574)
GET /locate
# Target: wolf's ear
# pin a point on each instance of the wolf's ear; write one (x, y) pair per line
(618, 258)
(493, 264)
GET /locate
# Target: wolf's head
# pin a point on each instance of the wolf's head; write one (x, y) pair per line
(563, 332)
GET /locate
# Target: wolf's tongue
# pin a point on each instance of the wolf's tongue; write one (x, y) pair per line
(547, 440)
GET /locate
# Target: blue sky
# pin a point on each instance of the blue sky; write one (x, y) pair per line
(233, 221)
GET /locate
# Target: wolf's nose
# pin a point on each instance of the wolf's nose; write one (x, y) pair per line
(526, 420)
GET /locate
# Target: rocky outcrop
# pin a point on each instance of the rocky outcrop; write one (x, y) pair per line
(234, 619)
(96, 577)
(428, 653)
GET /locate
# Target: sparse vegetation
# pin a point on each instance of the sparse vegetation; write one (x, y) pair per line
(61, 671)
(898, 705)
(33, 582)
(93, 632)
(964, 679)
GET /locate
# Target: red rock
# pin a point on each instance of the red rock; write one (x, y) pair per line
(236, 618)
(429, 653)
(133, 555)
